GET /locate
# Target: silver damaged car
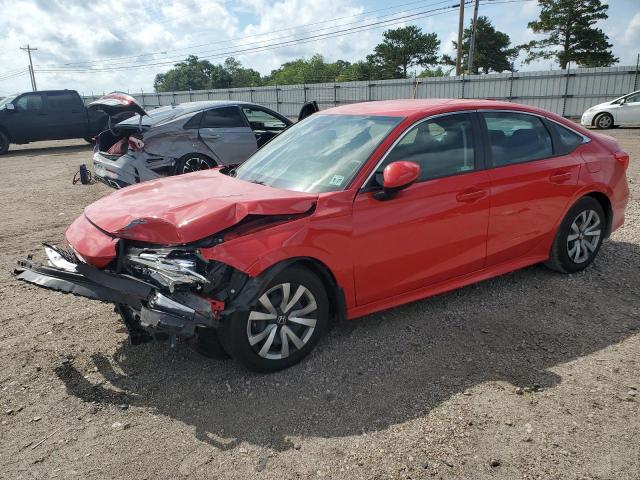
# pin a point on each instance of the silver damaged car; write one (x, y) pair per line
(180, 138)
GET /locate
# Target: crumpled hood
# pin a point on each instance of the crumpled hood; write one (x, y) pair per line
(189, 207)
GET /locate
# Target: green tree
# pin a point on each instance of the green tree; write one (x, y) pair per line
(492, 52)
(195, 74)
(314, 70)
(192, 74)
(571, 34)
(403, 48)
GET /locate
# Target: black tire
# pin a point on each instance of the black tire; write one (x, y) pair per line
(208, 344)
(603, 121)
(235, 331)
(4, 143)
(193, 162)
(565, 256)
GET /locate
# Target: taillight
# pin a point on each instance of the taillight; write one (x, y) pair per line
(135, 143)
(623, 158)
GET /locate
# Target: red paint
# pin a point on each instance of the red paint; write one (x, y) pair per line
(91, 244)
(189, 207)
(431, 237)
(400, 174)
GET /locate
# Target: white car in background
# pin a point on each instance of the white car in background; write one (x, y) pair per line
(624, 110)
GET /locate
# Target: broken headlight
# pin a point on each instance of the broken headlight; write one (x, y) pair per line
(167, 267)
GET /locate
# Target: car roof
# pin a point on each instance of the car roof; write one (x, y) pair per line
(204, 104)
(421, 107)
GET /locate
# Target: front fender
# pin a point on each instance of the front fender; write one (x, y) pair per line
(257, 252)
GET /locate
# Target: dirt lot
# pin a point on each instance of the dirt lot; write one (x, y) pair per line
(531, 375)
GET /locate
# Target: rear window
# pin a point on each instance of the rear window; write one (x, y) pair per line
(516, 138)
(222, 117)
(568, 141)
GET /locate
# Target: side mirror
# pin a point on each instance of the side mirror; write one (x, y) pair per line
(397, 176)
(10, 107)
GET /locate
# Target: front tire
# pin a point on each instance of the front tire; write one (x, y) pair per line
(285, 324)
(4, 143)
(579, 237)
(603, 121)
(193, 162)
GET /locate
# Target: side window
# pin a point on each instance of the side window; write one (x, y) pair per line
(194, 121)
(62, 101)
(29, 102)
(262, 120)
(222, 117)
(516, 138)
(633, 98)
(442, 147)
(568, 141)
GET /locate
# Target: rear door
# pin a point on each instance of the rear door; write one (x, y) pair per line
(225, 131)
(29, 122)
(66, 115)
(532, 181)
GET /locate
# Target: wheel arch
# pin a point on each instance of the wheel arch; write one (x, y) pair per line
(5, 130)
(335, 294)
(605, 203)
(208, 156)
(604, 112)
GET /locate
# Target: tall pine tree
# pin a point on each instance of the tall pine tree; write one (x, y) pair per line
(570, 34)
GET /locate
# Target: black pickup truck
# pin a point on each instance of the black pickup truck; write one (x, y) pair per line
(47, 115)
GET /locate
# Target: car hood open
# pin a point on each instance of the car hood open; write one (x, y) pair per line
(190, 207)
(115, 103)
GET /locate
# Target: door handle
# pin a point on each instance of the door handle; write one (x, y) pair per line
(471, 195)
(560, 177)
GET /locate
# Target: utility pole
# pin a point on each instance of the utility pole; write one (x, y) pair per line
(472, 42)
(460, 29)
(28, 49)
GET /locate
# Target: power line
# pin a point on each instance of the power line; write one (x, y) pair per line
(14, 75)
(190, 47)
(337, 33)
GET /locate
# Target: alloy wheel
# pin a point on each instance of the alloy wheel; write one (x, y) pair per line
(605, 121)
(195, 164)
(283, 321)
(584, 237)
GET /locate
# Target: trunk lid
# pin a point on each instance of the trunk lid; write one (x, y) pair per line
(190, 207)
(117, 103)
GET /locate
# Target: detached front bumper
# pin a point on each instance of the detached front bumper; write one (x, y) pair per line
(178, 314)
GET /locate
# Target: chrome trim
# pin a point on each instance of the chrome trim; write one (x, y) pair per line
(585, 139)
(399, 139)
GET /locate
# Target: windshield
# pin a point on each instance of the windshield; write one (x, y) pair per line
(320, 154)
(6, 100)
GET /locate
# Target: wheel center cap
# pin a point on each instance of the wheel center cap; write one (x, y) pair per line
(282, 319)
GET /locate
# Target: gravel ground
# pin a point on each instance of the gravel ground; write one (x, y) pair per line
(533, 375)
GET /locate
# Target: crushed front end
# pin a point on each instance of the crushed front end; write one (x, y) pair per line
(160, 292)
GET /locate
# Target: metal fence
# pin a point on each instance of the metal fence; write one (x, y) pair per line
(565, 92)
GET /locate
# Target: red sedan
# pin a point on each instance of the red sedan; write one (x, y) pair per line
(354, 210)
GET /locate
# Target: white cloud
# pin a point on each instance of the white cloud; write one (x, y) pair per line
(157, 31)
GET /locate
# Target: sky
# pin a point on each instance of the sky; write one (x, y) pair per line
(153, 34)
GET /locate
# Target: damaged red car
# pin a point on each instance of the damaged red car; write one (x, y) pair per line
(354, 210)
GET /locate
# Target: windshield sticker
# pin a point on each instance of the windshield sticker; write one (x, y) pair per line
(336, 180)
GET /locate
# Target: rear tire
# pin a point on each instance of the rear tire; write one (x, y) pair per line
(603, 121)
(579, 237)
(257, 338)
(193, 162)
(4, 143)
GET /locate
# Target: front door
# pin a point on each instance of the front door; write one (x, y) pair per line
(29, 121)
(433, 230)
(629, 112)
(226, 133)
